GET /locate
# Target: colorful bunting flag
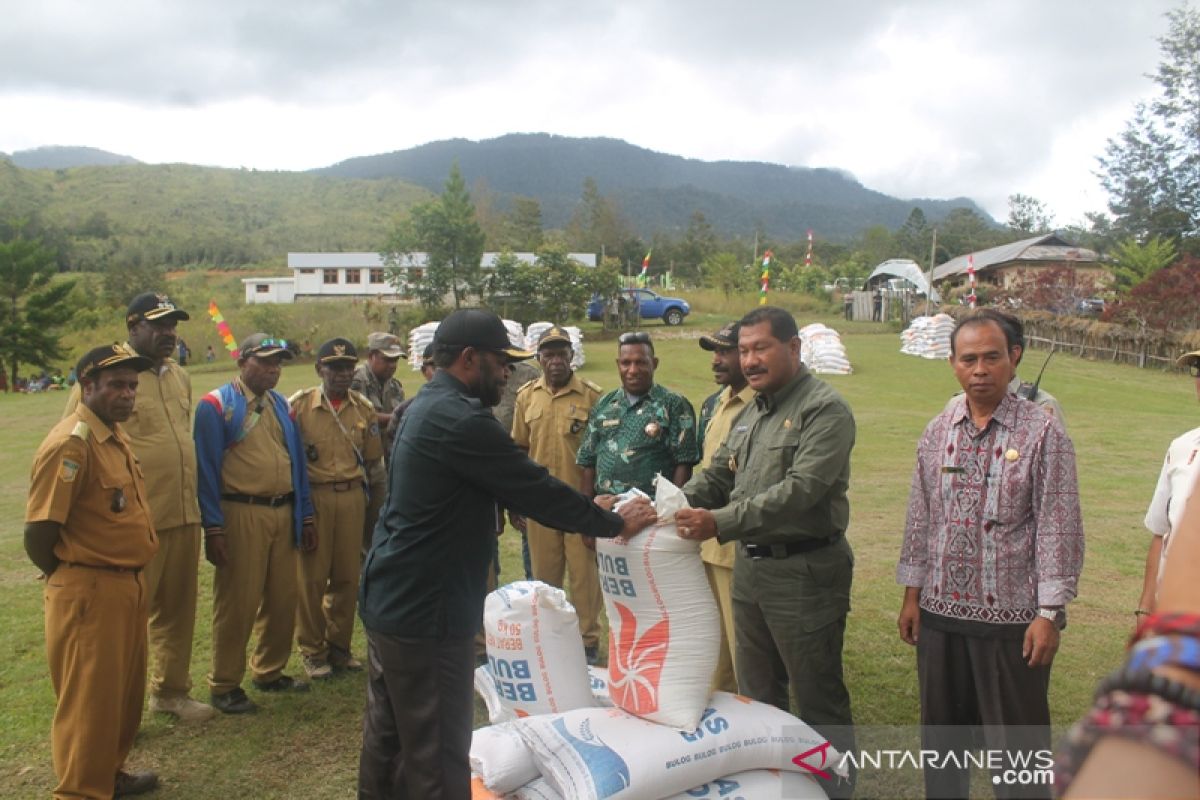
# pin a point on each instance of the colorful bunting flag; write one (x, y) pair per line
(808, 256)
(641, 279)
(223, 329)
(765, 278)
(971, 298)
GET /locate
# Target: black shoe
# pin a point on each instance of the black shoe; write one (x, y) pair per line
(234, 702)
(131, 783)
(284, 683)
(592, 652)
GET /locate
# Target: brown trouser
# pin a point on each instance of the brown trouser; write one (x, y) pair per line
(96, 649)
(171, 587)
(417, 726)
(720, 580)
(328, 576)
(552, 554)
(254, 592)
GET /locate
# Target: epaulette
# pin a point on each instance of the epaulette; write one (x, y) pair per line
(299, 393)
(595, 387)
(81, 430)
(360, 398)
(526, 385)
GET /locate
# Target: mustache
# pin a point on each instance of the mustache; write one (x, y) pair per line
(755, 371)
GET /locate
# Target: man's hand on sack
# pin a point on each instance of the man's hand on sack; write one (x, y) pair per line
(695, 523)
(637, 514)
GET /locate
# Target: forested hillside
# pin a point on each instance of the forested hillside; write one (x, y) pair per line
(176, 215)
(655, 191)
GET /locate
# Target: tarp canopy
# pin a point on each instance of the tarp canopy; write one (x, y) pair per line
(908, 270)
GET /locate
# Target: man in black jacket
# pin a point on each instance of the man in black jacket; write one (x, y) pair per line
(424, 581)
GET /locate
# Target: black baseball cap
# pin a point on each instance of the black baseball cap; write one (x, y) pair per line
(723, 339)
(337, 350)
(110, 356)
(264, 345)
(478, 328)
(427, 355)
(152, 306)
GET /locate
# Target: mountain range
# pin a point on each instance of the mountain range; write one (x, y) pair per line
(654, 191)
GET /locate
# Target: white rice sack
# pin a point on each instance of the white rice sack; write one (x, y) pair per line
(419, 338)
(664, 632)
(598, 678)
(757, 783)
(539, 789)
(534, 648)
(598, 754)
(485, 687)
(500, 757)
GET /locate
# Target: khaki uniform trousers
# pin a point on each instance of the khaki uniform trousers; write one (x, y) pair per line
(720, 579)
(552, 554)
(171, 578)
(328, 577)
(254, 592)
(96, 649)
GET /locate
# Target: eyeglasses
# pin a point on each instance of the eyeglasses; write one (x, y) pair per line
(634, 337)
(1194, 369)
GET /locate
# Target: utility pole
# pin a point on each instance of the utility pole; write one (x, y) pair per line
(932, 256)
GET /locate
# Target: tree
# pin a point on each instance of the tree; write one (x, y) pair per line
(1151, 171)
(597, 224)
(913, 237)
(448, 233)
(32, 307)
(523, 226)
(1164, 301)
(699, 242)
(1135, 262)
(1028, 215)
(1055, 289)
(725, 272)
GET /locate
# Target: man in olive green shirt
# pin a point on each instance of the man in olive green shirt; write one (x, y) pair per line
(777, 486)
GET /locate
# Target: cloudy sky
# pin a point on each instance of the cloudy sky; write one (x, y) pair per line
(928, 98)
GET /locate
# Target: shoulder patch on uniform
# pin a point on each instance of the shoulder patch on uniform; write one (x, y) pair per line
(595, 387)
(526, 385)
(361, 399)
(68, 470)
(81, 430)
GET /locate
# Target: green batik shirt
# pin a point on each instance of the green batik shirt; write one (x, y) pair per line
(627, 445)
(783, 471)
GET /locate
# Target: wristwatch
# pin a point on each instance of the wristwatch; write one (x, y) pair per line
(1049, 613)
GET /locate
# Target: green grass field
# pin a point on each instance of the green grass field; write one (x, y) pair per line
(1120, 418)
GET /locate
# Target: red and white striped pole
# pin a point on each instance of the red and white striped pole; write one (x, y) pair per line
(971, 298)
(808, 257)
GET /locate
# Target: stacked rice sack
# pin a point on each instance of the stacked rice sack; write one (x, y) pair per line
(928, 337)
(822, 351)
(419, 338)
(667, 735)
(536, 329)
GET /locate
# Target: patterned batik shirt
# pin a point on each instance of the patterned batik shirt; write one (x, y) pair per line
(627, 444)
(994, 528)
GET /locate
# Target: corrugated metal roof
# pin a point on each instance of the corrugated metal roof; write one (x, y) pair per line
(368, 260)
(1047, 247)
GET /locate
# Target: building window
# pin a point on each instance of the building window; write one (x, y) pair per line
(307, 271)
(377, 275)
(262, 288)
(354, 276)
(415, 274)
(330, 275)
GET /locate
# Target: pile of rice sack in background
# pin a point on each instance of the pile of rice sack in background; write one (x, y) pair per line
(421, 337)
(822, 351)
(928, 337)
(649, 728)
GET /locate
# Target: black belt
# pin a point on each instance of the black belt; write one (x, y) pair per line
(254, 500)
(106, 567)
(341, 486)
(785, 549)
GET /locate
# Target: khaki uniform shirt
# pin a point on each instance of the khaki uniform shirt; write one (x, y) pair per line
(383, 396)
(550, 424)
(258, 465)
(86, 478)
(160, 432)
(729, 405)
(330, 452)
(783, 471)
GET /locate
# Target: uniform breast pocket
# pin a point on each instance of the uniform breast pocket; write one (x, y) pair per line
(533, 416)
(1013, 490)
(783, 450)
(117, 493)
(573, 423)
